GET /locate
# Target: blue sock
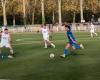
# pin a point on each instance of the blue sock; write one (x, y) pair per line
(78, 47)
(65, 51)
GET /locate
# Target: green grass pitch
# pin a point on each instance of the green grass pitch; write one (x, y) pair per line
(32, 61)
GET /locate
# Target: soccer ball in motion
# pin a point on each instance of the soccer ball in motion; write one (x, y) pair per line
(52, 55)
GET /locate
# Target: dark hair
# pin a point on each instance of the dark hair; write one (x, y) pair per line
(6, 29)
(67, 26)
(45, 24)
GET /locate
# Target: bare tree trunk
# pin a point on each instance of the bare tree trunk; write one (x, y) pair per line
(81, 10)
(74, 15)
(53, 17)
(33, 15)
(24, 12)
(42, 8)
(4, 12)
(33, 18)
(14, 21)
(59, 10)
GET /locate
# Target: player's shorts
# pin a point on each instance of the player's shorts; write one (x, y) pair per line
(7, 45)
(92, 31)
(46, 37)
(72, 44)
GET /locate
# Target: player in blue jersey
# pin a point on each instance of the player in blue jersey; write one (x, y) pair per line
(71, 42)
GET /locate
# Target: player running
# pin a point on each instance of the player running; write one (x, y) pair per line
(92, 30)
(45, 33)
(6, 42)
(71, 42)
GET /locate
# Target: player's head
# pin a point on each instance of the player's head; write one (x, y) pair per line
(65, 23)
(6, 31)
(44, 26)
(67, 28)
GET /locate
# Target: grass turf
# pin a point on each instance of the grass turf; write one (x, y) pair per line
(32, 61)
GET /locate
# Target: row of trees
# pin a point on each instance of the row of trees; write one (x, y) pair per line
(51, 11)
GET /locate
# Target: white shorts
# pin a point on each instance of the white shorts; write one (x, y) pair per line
(7, 45)
(92, 31)
(46, 37)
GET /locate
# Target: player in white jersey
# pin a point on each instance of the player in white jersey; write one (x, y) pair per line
(6, 42)
(45, 33)
(92, 30)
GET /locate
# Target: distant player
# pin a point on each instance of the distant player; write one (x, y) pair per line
(6, 42)
(92, 30)
(45, 33)
(71, 42)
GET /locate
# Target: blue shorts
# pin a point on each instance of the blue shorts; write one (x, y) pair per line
(72, 44)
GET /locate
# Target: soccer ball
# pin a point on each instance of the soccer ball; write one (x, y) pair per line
(52, 55)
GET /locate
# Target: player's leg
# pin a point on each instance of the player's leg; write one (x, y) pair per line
(49, 42)
(91, 34)
(1, 46)
(45, 42)
(95, 33)
(11, 50)
(77, 46)
(66, 50)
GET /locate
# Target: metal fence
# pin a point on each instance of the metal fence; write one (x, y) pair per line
(35, 28)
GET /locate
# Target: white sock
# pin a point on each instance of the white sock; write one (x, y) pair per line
(96, 34)
(45, 45)
(91, 35)
(12, 52)
(52, 45)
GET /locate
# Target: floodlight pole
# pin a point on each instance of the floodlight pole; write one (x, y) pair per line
(24, 12)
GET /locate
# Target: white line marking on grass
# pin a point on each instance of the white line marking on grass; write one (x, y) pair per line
(23, 39)
(32, 38)
(18, 39)
(32, 42)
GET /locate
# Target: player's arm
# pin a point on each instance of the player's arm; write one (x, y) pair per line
(72, 39)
